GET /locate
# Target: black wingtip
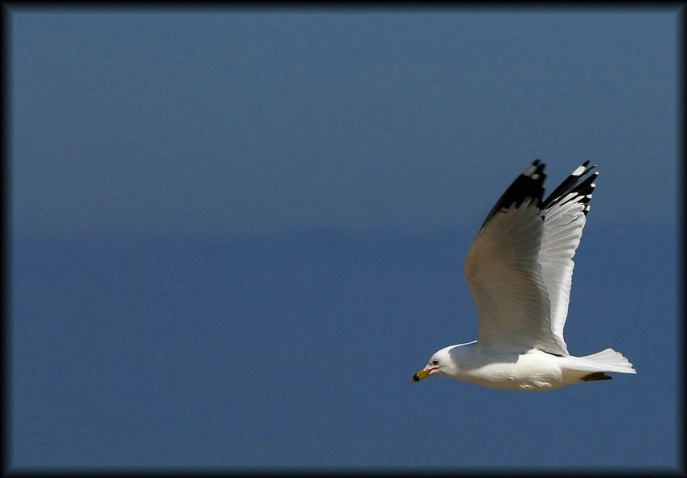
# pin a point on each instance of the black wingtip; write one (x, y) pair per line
(581, 189)
(529, 185)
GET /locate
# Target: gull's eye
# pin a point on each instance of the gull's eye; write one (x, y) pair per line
(435, 362)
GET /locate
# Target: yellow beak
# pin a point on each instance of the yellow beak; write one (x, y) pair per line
(420, 375)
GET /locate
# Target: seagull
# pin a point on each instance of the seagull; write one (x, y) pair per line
(519, 269)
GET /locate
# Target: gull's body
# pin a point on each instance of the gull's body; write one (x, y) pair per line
(519, 270)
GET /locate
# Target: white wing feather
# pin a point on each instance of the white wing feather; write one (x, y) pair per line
(565, 217)
(519, 267)
(507, 284)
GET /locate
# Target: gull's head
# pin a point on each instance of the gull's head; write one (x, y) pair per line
(439, 364)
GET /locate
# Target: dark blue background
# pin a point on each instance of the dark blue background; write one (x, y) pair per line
(236, 235)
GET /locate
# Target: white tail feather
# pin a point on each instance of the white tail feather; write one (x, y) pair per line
(607, 360)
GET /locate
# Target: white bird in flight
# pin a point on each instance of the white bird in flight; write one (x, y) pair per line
(519, 270)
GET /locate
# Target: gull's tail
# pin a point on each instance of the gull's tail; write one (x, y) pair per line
(607, 360)
(611, 361)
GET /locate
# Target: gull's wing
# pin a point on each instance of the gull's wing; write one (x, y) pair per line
(504, 274)
(565, 212)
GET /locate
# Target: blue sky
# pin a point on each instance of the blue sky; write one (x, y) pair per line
(236, 234)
